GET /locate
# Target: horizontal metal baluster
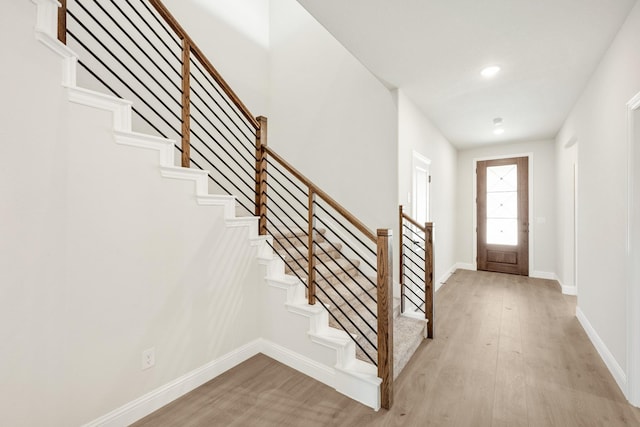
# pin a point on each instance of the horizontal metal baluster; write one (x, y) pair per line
(350, 291)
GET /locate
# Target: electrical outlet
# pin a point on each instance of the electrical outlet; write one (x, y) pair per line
(148, 358)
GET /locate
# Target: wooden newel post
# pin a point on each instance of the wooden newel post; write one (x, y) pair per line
(186, 104)
(62, 22)
(428, 277)
(385, 316)
(261, 174)
(311, 273)
(401, 259)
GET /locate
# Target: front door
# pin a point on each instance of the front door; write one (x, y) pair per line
(503, 215)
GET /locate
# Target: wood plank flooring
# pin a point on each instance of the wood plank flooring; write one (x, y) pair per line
(508, 351)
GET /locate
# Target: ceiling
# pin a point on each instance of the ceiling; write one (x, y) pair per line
(434, 50)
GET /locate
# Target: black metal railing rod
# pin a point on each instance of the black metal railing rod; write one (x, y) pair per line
(285, 261)
(411, 259)
(162, 86)
(348, 318)
(143, 51)
(276, 167)
(301, 252)
(348, 288)
(163, 24)
(123, 66)
(408, 248)
(288, 239)
(206, 159)
(226, 100)
(285, 213)
(271, 180)
(135, 10)
(177, 57)
(210, 175)
(347, 229)
(366, 353)
(347, 244)
(113, 92)
(349, 260)
(418, 306)
(284, 199)
(250, 140)
(249, 164)
(412, 291)
(418, 235)
(419, 285)
(411, 299)
(248, 174)
(419, 243)
(117, 76)
(414, 238)
(274, 179)
(346, 272)
(302, 268)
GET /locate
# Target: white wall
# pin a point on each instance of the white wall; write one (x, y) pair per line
(417, 133)
(234, 34)
(542, 222)
(101, 258)
(598, 120)
(330, 117)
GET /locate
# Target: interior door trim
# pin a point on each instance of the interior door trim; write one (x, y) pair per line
(474, 163)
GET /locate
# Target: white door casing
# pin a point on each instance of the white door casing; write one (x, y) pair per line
(633, 252)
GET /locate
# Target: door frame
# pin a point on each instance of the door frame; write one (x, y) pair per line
(633, 252)
(474, 229)
(417, 158)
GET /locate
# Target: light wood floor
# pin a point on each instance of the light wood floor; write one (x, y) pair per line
(508, 351)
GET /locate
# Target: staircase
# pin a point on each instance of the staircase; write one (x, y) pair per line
(339, 340)
(353, 311)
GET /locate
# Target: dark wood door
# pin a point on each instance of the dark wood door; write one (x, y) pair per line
(503, 215)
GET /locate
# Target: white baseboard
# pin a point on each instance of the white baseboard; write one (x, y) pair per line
(567, 289)
(443, 279)
(300, 363)
(465, 266)
(543, 275)
(150, 402)
(613, 366)
(360, 387)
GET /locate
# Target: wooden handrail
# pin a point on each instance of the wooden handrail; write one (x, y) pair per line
(324, 196)
(416, 223)
(182, 34)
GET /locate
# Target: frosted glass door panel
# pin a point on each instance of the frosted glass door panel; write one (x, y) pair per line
(502, 205)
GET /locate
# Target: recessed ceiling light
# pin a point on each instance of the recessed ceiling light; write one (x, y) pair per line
(498, 131)
(490, 71)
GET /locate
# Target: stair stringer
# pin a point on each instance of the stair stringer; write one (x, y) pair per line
(318, 350)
